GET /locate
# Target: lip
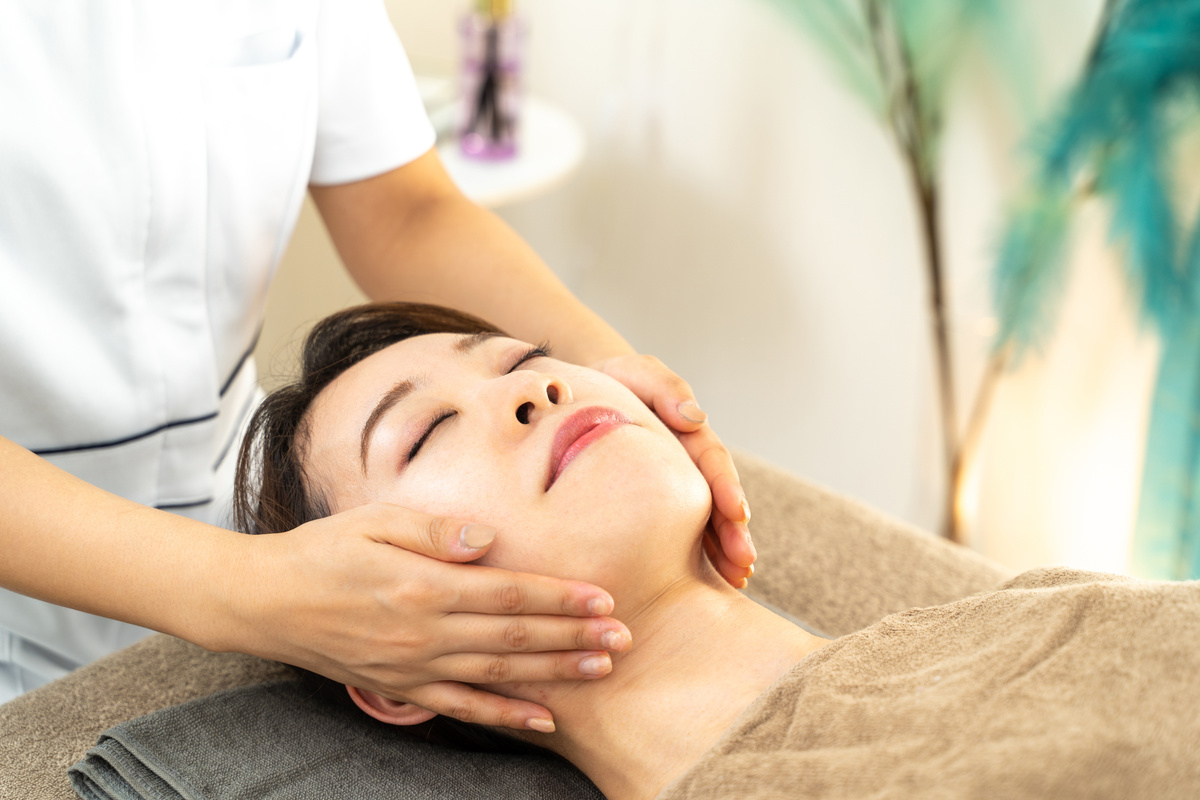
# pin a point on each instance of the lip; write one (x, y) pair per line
(577, 432)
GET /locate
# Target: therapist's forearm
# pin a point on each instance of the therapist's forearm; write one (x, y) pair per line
(441, 248)
(67, 542)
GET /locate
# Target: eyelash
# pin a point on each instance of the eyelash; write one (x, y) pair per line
(537, 351)
(438, 420)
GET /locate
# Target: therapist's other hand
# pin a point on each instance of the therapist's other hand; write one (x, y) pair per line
(728, 542)
(372, 598)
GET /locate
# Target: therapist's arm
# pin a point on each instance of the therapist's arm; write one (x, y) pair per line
(410, 234)
(367, 597)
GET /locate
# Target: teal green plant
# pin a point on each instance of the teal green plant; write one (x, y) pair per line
(1115, 138)
(900, 56)
(1137, 94)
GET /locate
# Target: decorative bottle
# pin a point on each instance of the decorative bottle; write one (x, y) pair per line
(492, 43)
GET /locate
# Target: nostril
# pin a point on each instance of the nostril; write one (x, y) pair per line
(523, 413)
(552, 393)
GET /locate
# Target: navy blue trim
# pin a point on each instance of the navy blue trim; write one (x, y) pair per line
(51, 451)
(184, 504)
(241, 363)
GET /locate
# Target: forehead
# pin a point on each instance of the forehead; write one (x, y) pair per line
(419, 358)
(408, 356)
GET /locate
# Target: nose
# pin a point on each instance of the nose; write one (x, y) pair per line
(536, 392)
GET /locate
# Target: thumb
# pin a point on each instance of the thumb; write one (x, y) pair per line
(658, 387)
(443, 538)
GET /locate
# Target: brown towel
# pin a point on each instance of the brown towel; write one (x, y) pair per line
(1062, 684)
(841, 566)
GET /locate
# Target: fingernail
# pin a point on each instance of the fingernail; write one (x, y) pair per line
(540, 725)
(596, 665)
(745, 510)
(616, 640)
(476, 537)
(743, 583)
(750, 543)
(691, 412)
(600, 606)
(751, 575)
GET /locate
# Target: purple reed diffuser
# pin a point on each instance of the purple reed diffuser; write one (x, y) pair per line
(492, 41)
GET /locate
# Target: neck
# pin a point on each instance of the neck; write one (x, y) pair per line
(702, 653)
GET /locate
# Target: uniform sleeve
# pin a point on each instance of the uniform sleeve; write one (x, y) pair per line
(370, 116)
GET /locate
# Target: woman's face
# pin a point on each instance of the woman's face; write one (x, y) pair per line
(578, 476)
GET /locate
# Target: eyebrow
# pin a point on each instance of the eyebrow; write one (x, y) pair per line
(463, 345)
(393, 396)
(470, 341)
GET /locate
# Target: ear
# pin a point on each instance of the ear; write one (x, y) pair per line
(387, 710)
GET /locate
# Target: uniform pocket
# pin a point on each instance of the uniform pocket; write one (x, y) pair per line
(264, 47)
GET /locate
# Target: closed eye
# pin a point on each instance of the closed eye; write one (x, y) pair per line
(537, 351)
(438, 420)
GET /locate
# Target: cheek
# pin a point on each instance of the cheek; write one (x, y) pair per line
(464, 489)
(661, 490)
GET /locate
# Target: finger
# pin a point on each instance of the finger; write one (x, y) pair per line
(731, 511)
(676, 405)
(483, 708)
(734, 539)
(488, 668)
(488, 633)
(736, 576)
(717, 467)
(490, 590)
(443, 538)
(658, 387)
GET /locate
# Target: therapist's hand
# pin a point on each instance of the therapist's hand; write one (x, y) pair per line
(728, 541)
(372, 598)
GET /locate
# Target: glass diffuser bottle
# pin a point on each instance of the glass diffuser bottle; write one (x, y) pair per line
(492, 41)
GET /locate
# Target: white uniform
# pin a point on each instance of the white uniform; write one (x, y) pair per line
(153, 158)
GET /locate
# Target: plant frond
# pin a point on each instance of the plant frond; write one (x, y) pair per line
(837, 27)
(1029, 278)
(1115, 129)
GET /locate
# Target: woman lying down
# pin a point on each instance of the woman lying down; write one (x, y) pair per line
(1061, 684)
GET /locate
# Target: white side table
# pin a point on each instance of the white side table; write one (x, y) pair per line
(550, 146)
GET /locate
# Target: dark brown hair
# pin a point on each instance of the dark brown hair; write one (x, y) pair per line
(272, 493)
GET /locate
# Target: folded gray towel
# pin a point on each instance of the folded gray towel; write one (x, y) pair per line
(276, 740)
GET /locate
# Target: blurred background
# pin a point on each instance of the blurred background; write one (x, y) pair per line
(742, 214)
